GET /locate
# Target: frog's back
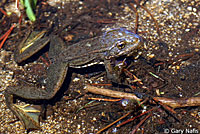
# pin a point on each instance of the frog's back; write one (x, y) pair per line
(82, 52)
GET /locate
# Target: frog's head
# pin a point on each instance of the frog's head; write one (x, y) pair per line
(121, 42)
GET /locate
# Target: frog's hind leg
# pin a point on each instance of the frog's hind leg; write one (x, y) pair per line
(56, 74)
(28, 115)
(57, 70)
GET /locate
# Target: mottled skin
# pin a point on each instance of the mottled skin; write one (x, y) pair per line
(112, 44)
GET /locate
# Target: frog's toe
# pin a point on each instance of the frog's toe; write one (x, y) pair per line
(29, 116)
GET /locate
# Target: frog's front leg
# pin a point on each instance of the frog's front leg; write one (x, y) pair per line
(114, 72)
(55, 77)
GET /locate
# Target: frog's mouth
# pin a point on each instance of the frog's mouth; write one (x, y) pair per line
(131, 49)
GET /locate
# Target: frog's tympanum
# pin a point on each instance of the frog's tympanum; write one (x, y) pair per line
(112, 44)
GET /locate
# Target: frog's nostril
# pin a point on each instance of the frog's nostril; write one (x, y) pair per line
(135, 41)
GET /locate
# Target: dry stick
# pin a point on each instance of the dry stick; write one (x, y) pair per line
(174, 103)
(129, 120)
(141, 122)
(111, 93)
(137, 16)
(136, 19)
(1, 10)
(113, 123)
(102, 99)
(179, 102)
(5, 36)
(165, 106)
(157, 26)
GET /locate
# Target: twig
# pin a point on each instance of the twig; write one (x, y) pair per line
(174, 103)
(165, 106)
(157, 26)
(103, 99)
(3, 12)
(113, 123)
(136, 19)
(179, 102)
(141, 122)
(129, 120)
(111, 93)
(5, 36)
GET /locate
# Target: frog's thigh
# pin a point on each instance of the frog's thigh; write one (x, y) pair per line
(56, 47)
(55, 77)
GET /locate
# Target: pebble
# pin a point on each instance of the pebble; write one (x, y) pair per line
(187, 30)
(189, 8)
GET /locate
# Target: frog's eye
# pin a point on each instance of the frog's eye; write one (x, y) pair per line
(121, 44)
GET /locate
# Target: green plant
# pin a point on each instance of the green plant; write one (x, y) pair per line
(30, 6)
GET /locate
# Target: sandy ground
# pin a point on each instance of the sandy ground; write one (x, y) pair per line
(177, 19)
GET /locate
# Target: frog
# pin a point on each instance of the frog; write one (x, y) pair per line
(112, 44)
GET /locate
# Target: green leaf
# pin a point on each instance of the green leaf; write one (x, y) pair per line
(30, 5)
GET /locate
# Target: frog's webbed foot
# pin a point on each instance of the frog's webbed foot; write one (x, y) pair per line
(27, 114)
(32, 47)
(30, 115)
